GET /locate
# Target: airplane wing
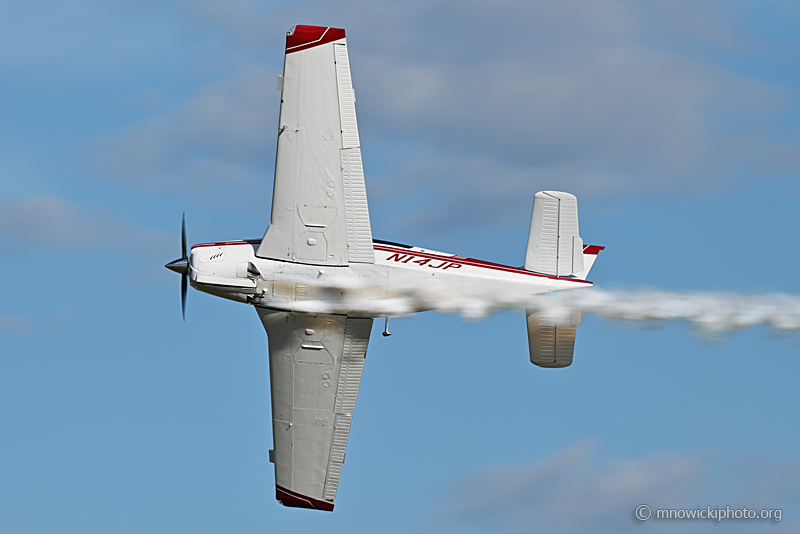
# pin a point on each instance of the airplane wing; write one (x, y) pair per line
(315, 365)
(319, 201)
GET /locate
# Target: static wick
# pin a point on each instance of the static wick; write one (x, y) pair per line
(386, 332)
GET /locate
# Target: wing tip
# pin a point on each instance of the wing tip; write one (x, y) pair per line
(293, 499)
(305, 37)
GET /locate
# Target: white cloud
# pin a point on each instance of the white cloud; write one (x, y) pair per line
(13, 324)
(571, 491)
(575, 492)
(46, 223)
(482, 104)
(567, 94)
(250, 22)
(217, 138)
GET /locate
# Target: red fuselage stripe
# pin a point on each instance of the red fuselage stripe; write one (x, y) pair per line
(228, 243)
(472, 262)
(588, 249)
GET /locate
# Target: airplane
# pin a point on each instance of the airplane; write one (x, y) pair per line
(317, 278)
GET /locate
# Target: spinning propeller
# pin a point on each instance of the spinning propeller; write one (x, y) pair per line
(181, 266)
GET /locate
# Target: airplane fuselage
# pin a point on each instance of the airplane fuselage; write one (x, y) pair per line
(400, 281)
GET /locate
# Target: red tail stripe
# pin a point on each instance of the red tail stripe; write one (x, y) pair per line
(594, 250)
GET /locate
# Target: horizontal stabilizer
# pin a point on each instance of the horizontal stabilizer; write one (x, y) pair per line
(590, 253)
(551, 344)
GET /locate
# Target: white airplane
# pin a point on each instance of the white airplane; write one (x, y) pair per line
(318, 278)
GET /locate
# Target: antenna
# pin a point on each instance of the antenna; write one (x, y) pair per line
(386, 332)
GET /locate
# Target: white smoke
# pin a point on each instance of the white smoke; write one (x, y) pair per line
(708, 312)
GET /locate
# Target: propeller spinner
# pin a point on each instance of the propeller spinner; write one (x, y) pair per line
(181, 266)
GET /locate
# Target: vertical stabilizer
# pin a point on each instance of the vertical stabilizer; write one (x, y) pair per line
(555, 247)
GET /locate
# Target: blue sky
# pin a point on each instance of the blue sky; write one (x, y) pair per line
(676, 125)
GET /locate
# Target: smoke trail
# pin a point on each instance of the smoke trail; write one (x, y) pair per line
(706, 311)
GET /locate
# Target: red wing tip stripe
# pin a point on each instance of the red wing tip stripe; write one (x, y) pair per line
(592, 249)
(295, 500)
(305, 37)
